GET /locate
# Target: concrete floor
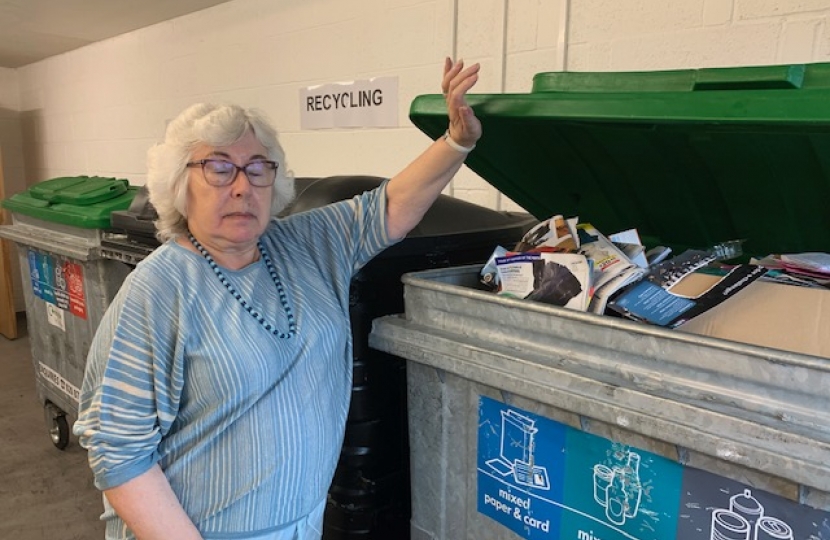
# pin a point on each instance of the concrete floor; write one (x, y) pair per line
(45, 493)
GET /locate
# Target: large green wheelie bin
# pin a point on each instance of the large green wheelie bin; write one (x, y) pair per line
(533, 421)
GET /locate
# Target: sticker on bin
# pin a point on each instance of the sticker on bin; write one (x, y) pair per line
(58, 282)
(55, 316)
(57, 380)
(543, 479)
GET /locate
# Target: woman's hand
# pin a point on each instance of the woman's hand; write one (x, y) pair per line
(411, 192)
(150, 509)
(465, 128)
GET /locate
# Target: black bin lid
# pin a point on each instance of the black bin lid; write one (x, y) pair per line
(138, 220)
(690, 158)
(450, 224)
(447, 217)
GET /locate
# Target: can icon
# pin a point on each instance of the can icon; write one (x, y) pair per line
(770, 528)
(747, 506)
(603, 476)
(727, 525)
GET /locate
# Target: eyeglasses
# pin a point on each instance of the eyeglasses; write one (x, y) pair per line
(220, 173)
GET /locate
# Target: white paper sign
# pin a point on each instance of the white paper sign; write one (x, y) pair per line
(54, 315)
(367, 103)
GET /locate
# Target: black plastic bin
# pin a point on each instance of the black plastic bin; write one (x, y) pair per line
(370, 495)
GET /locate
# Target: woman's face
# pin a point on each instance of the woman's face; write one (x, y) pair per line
(229, 218)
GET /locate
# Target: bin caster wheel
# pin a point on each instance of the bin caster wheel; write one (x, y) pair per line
(58, 426)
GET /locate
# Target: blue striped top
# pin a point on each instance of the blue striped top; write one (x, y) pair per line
(246, 426)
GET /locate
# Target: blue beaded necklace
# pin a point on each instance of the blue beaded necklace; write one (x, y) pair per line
(292, 323)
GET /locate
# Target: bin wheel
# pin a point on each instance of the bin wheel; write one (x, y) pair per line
(58, 426)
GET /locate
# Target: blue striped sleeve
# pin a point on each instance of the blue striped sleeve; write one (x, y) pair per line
(130, 393)
(351, 231)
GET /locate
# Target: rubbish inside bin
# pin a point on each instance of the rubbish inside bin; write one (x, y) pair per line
(596, 266)
(772, 315)
(673, 293)
(561, 279)
(573, 265)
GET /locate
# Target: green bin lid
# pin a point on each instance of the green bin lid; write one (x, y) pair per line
(79, 190)
(81, 201)
(690, 157)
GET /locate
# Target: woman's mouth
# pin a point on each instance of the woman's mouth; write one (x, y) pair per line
(245, 215)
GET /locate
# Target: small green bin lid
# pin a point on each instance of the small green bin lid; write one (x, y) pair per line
(80, 201)
(689, 157)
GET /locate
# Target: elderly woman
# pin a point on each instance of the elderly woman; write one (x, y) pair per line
(217, 386)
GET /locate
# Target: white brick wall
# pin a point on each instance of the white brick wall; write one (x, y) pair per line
(11, 160)
(9, 89)
(96, 110)
(10, 131)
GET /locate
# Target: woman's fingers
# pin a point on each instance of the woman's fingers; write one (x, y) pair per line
(464, 81)
(451, 69)
(457, 81)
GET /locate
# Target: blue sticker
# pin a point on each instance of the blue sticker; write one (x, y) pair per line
(543, 479)
(620, 492)
(34, 273)
(520, 469)
(46, 269)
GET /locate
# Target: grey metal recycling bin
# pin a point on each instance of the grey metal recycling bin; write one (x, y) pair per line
(57, 226)
(532, 421)
(553, 423)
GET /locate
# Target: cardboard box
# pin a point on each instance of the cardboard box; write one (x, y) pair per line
(672, 293)
(771, 315)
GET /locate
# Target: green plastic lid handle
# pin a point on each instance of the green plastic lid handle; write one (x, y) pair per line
(751, 78)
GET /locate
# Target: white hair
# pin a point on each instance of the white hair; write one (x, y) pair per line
(212, 125)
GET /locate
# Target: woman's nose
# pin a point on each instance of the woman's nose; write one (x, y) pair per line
(240, 185)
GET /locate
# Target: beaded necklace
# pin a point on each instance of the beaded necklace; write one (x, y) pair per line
(289, 313)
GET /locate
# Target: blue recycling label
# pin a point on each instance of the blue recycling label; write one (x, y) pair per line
(46, 274)
(34, 273)
(543, 479)
(520, 469)
(619, 492)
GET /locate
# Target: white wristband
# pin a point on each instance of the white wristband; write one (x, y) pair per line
(455, 146)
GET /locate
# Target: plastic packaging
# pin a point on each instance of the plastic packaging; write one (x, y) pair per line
(725, 251)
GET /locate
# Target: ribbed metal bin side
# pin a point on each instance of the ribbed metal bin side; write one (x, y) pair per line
(740, 411)
(443, 426)
(53, 237)
(64, 351)
(60, 338)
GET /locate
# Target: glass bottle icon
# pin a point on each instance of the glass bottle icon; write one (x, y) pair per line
(615, 509)
(633, 488)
